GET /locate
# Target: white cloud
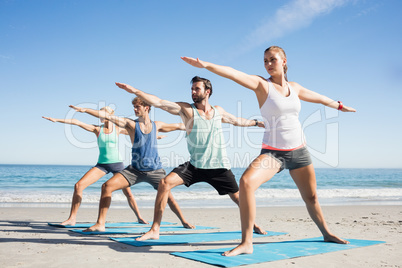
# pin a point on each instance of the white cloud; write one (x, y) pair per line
(295, 15)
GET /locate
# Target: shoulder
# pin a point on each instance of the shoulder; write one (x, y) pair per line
(130, 122)
(295, 86)
(159, 124)
(220, 109)
(184, 104)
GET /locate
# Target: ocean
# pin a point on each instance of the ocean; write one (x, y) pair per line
(52, 186)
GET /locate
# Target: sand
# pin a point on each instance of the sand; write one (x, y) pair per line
(27, 241)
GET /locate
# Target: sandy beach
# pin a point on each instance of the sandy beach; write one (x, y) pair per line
(27, 240)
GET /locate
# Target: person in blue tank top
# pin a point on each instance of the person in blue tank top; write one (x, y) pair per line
(283, 144)
(145, 163)
(208, 160)
(109, 160)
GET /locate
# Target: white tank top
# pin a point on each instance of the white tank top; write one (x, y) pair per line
(283, 130)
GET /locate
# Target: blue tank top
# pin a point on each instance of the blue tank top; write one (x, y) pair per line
(144, 153)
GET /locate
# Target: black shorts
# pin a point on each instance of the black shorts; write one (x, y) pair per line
(222, 179)
(290, 159)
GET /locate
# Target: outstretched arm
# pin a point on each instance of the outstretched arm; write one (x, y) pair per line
(311, 96)
(238, 121)
(168, 106)
(87, 127)
(120, 121)
(164, 127)
(252, 82)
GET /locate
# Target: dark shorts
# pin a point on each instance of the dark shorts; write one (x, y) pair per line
(222, 179)
(290, 159)
(114, 167)
(134, 176)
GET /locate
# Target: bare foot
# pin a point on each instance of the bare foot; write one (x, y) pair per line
(240, 249)
(335, 239)
(259, 230)
(150, 235)
(70, 222)
(188, 225)
(142, 221)
(96, 228)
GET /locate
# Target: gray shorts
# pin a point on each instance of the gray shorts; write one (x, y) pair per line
(290, 159)
(134, 176)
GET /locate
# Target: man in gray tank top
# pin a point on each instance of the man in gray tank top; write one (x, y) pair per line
(145, 166)
(208, 159)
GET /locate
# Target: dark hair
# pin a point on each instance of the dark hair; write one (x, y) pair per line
(283, 54)
(141, 102)
(207, 83)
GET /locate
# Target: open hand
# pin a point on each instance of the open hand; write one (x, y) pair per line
(49, 118)
(126, 87)
(348, 109)
(78, 109)
(194, 62)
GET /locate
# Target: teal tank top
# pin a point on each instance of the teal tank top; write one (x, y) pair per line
(108, 147)
(205, 142)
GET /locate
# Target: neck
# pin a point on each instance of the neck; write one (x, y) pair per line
(144, 119)
(280, 80)
(203, 105)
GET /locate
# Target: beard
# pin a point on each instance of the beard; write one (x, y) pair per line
(199, 99)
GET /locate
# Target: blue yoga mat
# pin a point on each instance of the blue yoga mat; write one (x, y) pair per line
(111, 224)
(139, 230)
(187, 238)
(273, 251)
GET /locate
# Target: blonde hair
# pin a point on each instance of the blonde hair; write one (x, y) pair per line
(283, 54)
(107, 109)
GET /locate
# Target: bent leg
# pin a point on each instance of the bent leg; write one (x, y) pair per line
(306, 182)
(165, 185)
(116, 182)
(174, 206)
(133, 204)
(261, 170)
(92, 176)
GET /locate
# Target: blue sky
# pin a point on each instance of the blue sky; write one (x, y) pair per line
(57, 53)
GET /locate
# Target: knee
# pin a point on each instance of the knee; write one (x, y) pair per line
(311, 199)
(164, 185)
(128, 194)
(106, 188)
(78, 187)
(246, 183)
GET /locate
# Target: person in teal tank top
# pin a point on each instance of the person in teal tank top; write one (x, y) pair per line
(109, 160)
(145, 163)
(208, 160)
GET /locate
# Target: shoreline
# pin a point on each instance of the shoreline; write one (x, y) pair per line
(27, 240)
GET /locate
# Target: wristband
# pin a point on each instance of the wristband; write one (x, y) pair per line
(340, 107)
(256, 122)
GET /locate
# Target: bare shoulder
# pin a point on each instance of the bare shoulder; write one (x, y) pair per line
(295, 86)
(219, 108)
(186, 109)
(130, 123)
(159, 124)
(184, 104)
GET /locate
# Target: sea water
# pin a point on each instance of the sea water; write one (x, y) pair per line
(52, 186)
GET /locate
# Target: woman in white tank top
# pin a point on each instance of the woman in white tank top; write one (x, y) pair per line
(279, 102)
